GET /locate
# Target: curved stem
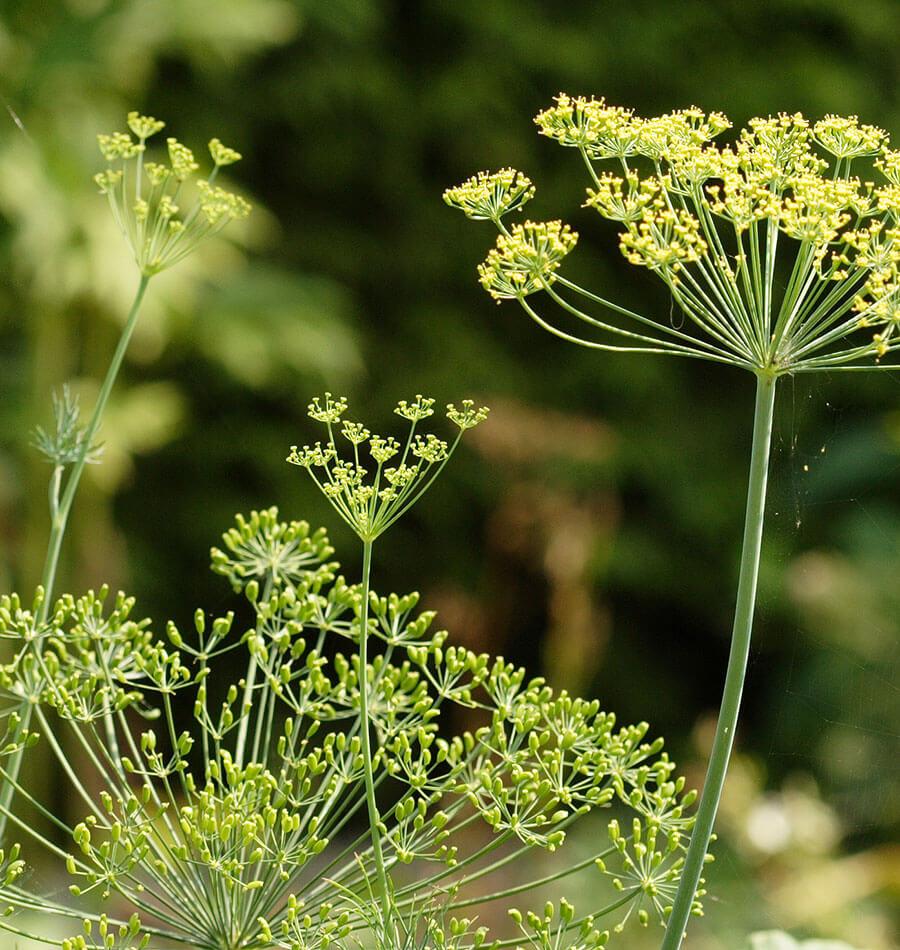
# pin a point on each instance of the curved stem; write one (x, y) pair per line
(365, 739)
(737, 665)
(59, 514)
(61, 517)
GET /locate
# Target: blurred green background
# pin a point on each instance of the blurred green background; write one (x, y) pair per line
(591, 529)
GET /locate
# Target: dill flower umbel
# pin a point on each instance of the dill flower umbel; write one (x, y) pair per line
(782, 257)
(161, 215)
(781, 247)
(371, 500)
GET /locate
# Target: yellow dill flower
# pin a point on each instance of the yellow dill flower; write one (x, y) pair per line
(889, 165)
(142, 199)
(775, 149)
(684, 129)
(488, 196)
(742, 200)
(600, 130)
(371, 503)
(845, 137)
(144, 126)
(887, 199)
(873, 247)
(222, 154)
(524, 260)
(118, 145)
(816, 210)
(716, 223)
(182, 159)
(690, 166)
(622, 199)
(664, 240)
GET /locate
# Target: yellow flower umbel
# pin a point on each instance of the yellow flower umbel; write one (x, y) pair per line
(158, 206)
(783, 255)
(488, 196)
(526, 258)
(371, 494)
(777, 245)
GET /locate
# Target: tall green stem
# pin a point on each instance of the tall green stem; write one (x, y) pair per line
(737, 665)
(365, 738)
(59, 514)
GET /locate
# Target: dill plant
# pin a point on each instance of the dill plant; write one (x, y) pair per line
(783, 259)
(287, 774)
(142, 196)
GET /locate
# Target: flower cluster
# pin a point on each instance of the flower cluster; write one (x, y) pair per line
(370, 499)
(712, 222)
(249, 837)
(490, 195)
(162, 221)
(525, 259)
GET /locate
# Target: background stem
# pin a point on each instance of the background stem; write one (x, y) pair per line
(737, 664)
(59, 516)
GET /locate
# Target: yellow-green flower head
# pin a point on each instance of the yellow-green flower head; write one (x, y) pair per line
(430, 448)
(684, 130)
(143, 198)
(222, 154)
(118, 145)
(710, 220)
(371, 499)
(488, 196)
(665, 241)
(773, 150)
(383, 449)
(889, 165)
(879, 306)
(691, 166)
(887, 200)
(742, 201)
(524, 261)
(816, 209)
(846, 137)
(355, 432)
(144, 126)
(182, 159)
(219, 205)
(327, 410)
(874, 248)
(420, 408)
(602, 131)
(310, 456)
(623, 199)
(468, 415)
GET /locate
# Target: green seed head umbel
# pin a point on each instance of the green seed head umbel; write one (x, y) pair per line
(781, 246)
(158, 209)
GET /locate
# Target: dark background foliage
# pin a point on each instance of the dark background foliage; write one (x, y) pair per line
(591, 529)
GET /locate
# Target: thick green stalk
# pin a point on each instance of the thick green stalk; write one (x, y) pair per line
(365, 739)
(737, 665)
(61, 516)
(59, 511)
